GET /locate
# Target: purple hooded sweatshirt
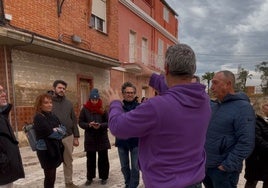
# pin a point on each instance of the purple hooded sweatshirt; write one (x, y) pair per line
(172, 130)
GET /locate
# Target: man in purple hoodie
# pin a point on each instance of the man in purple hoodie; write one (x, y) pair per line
(171, 126)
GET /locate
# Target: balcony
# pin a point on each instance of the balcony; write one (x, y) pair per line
(141, 54)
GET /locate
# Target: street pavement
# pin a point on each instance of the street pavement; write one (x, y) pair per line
(35, 176)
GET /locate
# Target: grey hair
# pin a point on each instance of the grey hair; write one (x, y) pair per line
(127, 84)
(181, 60)
(229, 75)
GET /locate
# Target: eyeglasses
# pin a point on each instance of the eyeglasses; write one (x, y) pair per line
(129, 93)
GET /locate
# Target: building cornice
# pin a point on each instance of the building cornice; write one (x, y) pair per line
(37, 44)
(139, 12)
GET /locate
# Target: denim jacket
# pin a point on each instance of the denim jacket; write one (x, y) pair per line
(57, 134)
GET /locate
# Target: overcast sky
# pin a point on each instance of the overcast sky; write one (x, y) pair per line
(224, 33)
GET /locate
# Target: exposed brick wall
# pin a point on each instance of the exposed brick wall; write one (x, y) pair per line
(34, 74)
(24, 115)
(142, 30)
(172, 25)
(41, 17)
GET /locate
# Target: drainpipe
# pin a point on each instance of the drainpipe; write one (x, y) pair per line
(13, 90)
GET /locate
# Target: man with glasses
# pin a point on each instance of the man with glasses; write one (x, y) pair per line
(129, 146)
(171, 126)
(11, 167)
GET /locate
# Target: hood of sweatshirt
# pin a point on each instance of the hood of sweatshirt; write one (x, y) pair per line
(190, 95)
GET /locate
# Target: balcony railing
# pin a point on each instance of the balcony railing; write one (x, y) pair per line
(143, 55)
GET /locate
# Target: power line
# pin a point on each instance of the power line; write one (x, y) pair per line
(239, 55)
(233, 61)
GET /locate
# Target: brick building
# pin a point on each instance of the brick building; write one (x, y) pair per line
(80, 42)
(146, 29)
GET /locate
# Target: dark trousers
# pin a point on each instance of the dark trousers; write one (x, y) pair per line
(50, 177)
(197, 185)
(252, 184)
(216, 178)
(103, 164)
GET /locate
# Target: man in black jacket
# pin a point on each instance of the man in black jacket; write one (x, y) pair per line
(129, 147)
(11, 167)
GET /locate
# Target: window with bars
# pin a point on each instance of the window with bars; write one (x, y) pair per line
(98, 15)
(97, 23)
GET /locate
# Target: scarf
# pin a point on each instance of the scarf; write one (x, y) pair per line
(127, 106)
(94, 108)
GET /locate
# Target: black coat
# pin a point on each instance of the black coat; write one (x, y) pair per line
(11, 167)
(43, 125)
(130, 142)
(95, 139)
(257, 162)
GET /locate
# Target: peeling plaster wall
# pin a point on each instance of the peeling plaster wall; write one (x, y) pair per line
(35, 74)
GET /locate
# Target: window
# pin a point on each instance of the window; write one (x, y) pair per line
(132, 47)
(98, 16)
(160, 59)
(144, 51)
(97, 23)
(166, 14)
(144, 91)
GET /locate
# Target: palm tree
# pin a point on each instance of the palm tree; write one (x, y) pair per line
(243, 75)
(208, 76)
(263, 68)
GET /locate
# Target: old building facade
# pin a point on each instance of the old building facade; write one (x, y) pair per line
(81, 42)
(146, 29)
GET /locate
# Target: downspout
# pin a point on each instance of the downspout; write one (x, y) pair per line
(13, 90)
(152, 58)
(6, 68)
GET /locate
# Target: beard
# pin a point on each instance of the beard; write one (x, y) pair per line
(59, 94)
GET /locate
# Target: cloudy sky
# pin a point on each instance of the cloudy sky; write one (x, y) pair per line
(224, 34)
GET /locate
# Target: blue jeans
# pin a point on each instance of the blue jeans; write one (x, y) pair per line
(131, 176)
(216, 178)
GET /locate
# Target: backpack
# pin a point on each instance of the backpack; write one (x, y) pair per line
(30, 134)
